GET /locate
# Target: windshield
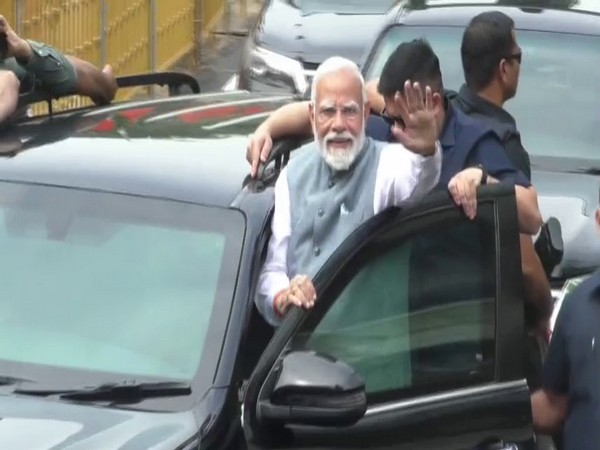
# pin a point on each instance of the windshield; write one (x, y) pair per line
(113, 284)
(557, 106)
(343, 7)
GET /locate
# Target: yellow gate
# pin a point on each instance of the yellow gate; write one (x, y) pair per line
(134, 36)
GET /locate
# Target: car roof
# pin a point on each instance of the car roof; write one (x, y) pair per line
(582, 18)
(188, 148)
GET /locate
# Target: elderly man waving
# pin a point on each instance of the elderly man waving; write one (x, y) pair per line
(340, 180)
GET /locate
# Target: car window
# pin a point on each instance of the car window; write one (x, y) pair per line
(111, 283)
(418, 317)
(557, 89)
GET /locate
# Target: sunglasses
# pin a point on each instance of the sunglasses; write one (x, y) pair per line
(392, 120)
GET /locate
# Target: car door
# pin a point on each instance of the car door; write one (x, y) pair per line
(415, 342)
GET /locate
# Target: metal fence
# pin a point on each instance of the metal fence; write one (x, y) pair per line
(134, 36)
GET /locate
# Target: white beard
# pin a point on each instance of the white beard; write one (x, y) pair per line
(340, 158)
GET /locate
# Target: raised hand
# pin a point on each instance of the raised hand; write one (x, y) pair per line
(420, 131)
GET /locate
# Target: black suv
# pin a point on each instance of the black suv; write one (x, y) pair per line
(132, 240)
(292, 37)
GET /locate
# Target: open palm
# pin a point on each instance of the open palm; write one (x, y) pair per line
(420, 130)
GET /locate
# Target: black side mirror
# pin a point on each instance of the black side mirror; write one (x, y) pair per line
(549, 245)
(315, 389)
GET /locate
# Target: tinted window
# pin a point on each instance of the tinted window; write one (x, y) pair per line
(111, 283)
(419, 316)
(557, 102)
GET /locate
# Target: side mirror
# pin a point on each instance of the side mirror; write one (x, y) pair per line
(549, 245)
(315, 389)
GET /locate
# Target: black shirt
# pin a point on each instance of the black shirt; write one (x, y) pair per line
(572, 366)
(500, 120)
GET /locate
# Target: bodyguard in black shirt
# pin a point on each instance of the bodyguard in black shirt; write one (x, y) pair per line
(491, 60)
(502, 122)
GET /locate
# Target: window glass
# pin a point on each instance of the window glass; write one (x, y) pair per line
(111, 283)
(558, 89)
(418, 315)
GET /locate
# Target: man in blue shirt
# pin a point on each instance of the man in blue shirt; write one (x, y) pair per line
(466, 142)
(570, 394)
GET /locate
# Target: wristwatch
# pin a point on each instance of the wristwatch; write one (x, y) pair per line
(484, 174)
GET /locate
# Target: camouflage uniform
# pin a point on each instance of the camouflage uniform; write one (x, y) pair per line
(47, 72)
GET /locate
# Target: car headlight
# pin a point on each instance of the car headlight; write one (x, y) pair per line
(276, 70)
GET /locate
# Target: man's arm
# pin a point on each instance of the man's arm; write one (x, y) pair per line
(490, 153)
(9, 94)
(405, 177)
(549, 405)
(288, 120)
(273, 277)
(530, 217)
(409, 170)
(536, 285)
(376, 100)
(549, 411)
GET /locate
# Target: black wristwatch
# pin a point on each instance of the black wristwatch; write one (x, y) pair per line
(484, 174)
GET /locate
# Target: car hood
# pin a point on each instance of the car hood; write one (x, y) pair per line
(40, 424)
(314, 37)
(569, 192)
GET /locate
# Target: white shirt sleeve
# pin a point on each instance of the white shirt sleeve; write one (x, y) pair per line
(404, 177)
(273, 276)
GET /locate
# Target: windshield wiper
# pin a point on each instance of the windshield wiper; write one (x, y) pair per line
(7, 380)
(588, 170)
(127, 392)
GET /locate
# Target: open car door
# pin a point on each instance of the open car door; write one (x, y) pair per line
(415, 342)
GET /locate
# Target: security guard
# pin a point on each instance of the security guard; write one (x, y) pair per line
(570, 394)
(491, 60)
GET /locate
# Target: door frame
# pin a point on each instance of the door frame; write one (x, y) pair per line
(509, 379)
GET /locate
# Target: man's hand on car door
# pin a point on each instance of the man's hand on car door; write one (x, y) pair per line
(463, 188)
(258, 150)
(300, 293)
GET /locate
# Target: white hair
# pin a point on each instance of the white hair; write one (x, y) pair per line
(333, 65)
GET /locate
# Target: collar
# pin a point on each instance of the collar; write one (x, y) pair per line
(477, 103)
(447, 134)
